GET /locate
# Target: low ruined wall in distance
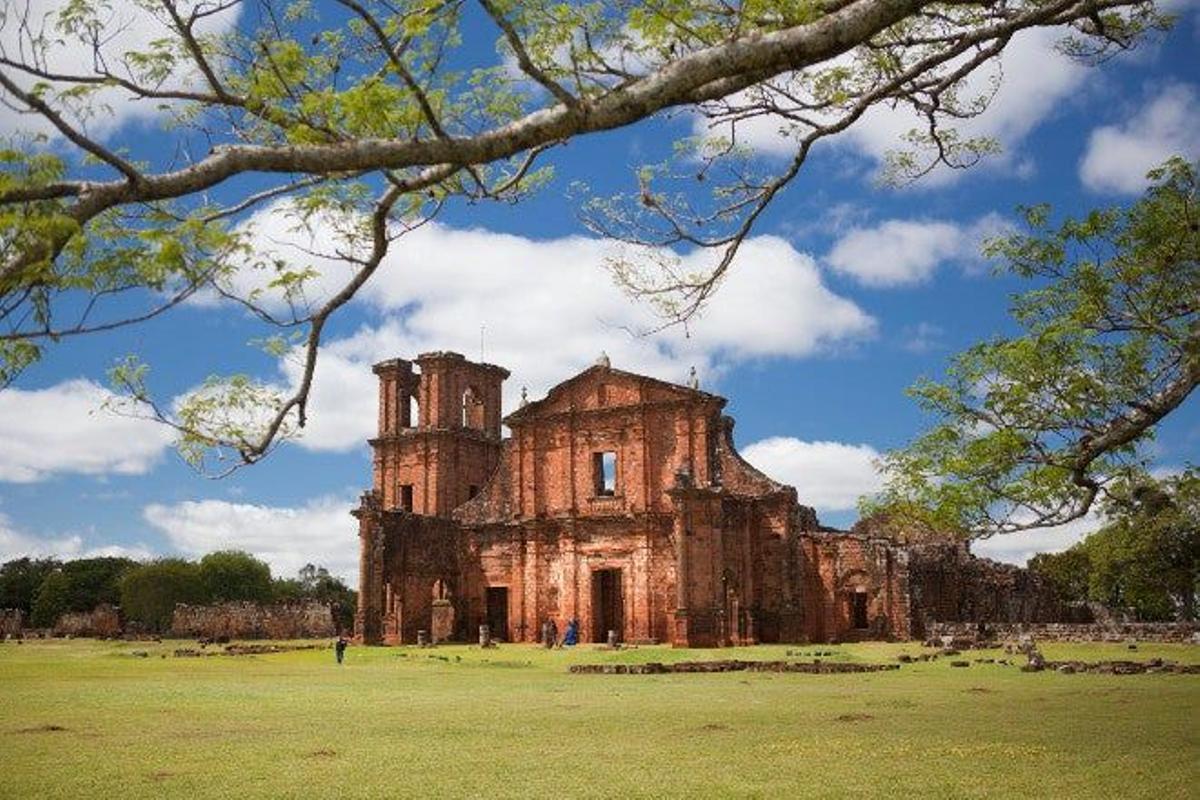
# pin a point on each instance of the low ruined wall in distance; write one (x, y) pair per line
(308, 620)
(12, 620)
(1072, 632)
(103, 620)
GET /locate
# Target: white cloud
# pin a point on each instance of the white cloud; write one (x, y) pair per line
(65, 429)
(921, 338)
(1119, 156)
(126, 27)
(17, 543)
(1031, 80)
(907, 252)
(830, 476)
(1017, 548)
(319, 532)
(547, 308)
(895, 253)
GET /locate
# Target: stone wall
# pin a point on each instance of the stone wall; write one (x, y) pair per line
(306, 620)
(103, 620)
(1073, 632)
(12, 621)
(840, 566)
(948, 584)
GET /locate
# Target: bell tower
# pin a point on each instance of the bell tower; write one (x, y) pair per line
(438, 458)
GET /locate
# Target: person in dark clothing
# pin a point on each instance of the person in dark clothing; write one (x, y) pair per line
(551, 635)
(340, 648)
(571, 637)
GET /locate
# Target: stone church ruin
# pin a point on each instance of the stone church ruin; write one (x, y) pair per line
(619, 500)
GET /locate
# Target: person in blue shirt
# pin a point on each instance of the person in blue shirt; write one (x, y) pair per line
(571, 637)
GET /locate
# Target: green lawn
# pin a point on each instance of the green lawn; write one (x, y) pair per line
(510, 722)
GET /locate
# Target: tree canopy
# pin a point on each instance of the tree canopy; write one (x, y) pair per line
(1032, 429)
(150, 592)
(1146, 558)
(232, 575)
(20, 579)
(374, 116)
(78, 585)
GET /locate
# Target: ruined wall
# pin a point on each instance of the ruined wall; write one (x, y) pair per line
(548, 568)
(654, 429)
(431, 464)
(407, 562)
(304, 620)
(700, 547)
(441, 467)
(948, 584)
(12, 621)
(1073, 632)
(103, 620)
(840, 566)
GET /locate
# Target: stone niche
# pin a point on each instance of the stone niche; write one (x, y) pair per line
(442, 627)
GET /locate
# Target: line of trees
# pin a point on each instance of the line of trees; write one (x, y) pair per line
(1146, 559)
(148, 592)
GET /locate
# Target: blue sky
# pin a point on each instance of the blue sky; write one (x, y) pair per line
(846, 294)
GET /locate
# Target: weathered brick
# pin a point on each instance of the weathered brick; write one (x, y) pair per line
(682, 542)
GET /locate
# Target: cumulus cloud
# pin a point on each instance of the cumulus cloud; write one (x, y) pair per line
(1119, 156)
(545, 308)
(17, 543)
(1018, 548)
(127, 27)
(320, 532)
(66, 429)
(1031, 79)
(907, 252)
(830, 476)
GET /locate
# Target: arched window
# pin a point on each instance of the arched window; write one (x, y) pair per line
(414, 413)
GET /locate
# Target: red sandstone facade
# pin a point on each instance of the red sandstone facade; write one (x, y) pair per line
(618, 500)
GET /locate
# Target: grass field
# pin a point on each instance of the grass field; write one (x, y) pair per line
(85, 719)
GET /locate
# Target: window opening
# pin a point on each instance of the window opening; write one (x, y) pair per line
(604, 473)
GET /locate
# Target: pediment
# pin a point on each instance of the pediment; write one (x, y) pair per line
(604, 387)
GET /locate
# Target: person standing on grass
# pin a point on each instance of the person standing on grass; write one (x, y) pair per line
(339, 648)
(571, 637)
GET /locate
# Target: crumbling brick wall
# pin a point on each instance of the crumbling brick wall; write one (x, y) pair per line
(840, 567)
(12, 621)
(948, 584)
(304, 620)
(103, 620)
(1073, 632)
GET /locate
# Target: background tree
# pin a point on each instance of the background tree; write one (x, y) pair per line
(149, 592)
(78, 585)
(1145, 558)
(1032, 429)
(317, 584)
(235, 575)
(92, 581)
(20, 580)
(51, 601)
(1069, 572)
(369, 117)
(1148, 555)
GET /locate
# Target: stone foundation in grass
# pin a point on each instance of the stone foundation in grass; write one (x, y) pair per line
(658, 668)
(969, 634)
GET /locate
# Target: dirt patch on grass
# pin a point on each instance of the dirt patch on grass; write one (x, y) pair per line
(980, 690)
(161, 775)
(43, 729)
(324, 752)
(714, 726)
(853, 717)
